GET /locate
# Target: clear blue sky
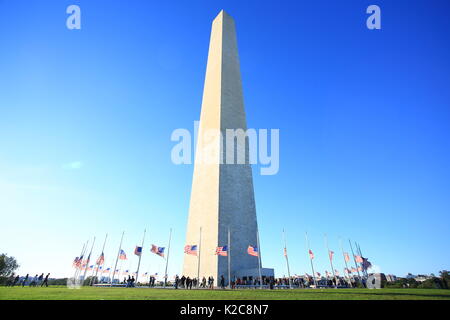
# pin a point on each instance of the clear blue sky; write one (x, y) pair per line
(364, 117)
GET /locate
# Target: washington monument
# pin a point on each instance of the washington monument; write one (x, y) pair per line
(222, 198)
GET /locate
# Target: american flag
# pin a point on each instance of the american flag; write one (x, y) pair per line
(222, 251)
(253, 251)
(330, 253)
(75, 262)
(101, 259)
(158, 250)
(138, 251)
(191, 249)
(122, 255)
(366, 264)
(107, 270)
(346, 257)
(285, 252)
(354, 270)
(358, 259)
(311, 255)
(91, 267)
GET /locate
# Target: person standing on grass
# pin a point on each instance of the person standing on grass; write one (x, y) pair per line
(16, 280)
(41, 277)
(24, 281)
(45, 282)
(33, 281)
(222, 282)
(177, 279)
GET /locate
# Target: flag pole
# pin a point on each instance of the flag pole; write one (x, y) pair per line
(88, 260)
(360, 253)
(78, 271)
(229, 259)
(287, 260)
(331, 262)
(198, 258)
(345, 261)
(76, 268)
(354, 259)
(259, 259)
(142, 252)
(311, 260)
(167, 260)
(96, 263)
(117, 258)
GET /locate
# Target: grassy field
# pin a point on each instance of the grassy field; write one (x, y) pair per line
(92, 293)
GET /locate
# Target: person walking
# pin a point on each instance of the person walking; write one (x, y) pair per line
(222, 282)
(177, 279)
(45, 282)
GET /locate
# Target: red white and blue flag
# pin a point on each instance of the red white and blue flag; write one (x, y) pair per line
(311, 255)
(158, 250)
(122, 255)
(107, 270)
(138, 251)
(101, 259)
(253, 251)
(346, 257)
(222, 251)
(191, 249)
(330, 254)
(76, 262)
(358, 259)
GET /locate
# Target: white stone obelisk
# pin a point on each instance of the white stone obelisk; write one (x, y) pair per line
(222, 194)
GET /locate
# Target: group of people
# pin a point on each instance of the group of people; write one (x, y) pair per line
(27, 280)
(188, 283)
(129, 282)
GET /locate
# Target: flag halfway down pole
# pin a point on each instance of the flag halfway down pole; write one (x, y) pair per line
(253, 251)
(330, 255)
(191, 249)
(117, 259)
(311, 257)
(140, 255)
(287, 260)
(354, 259)
(157, 250)
(100, 261)
(222, 251)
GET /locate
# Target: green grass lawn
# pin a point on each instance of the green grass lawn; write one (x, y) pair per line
(92, 293)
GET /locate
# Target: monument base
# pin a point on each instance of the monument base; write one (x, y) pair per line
(251, 274)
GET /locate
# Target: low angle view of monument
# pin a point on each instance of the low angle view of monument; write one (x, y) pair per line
(222, 203)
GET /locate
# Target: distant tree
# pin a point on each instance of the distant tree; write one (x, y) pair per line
(7, 265)
(445, 276)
